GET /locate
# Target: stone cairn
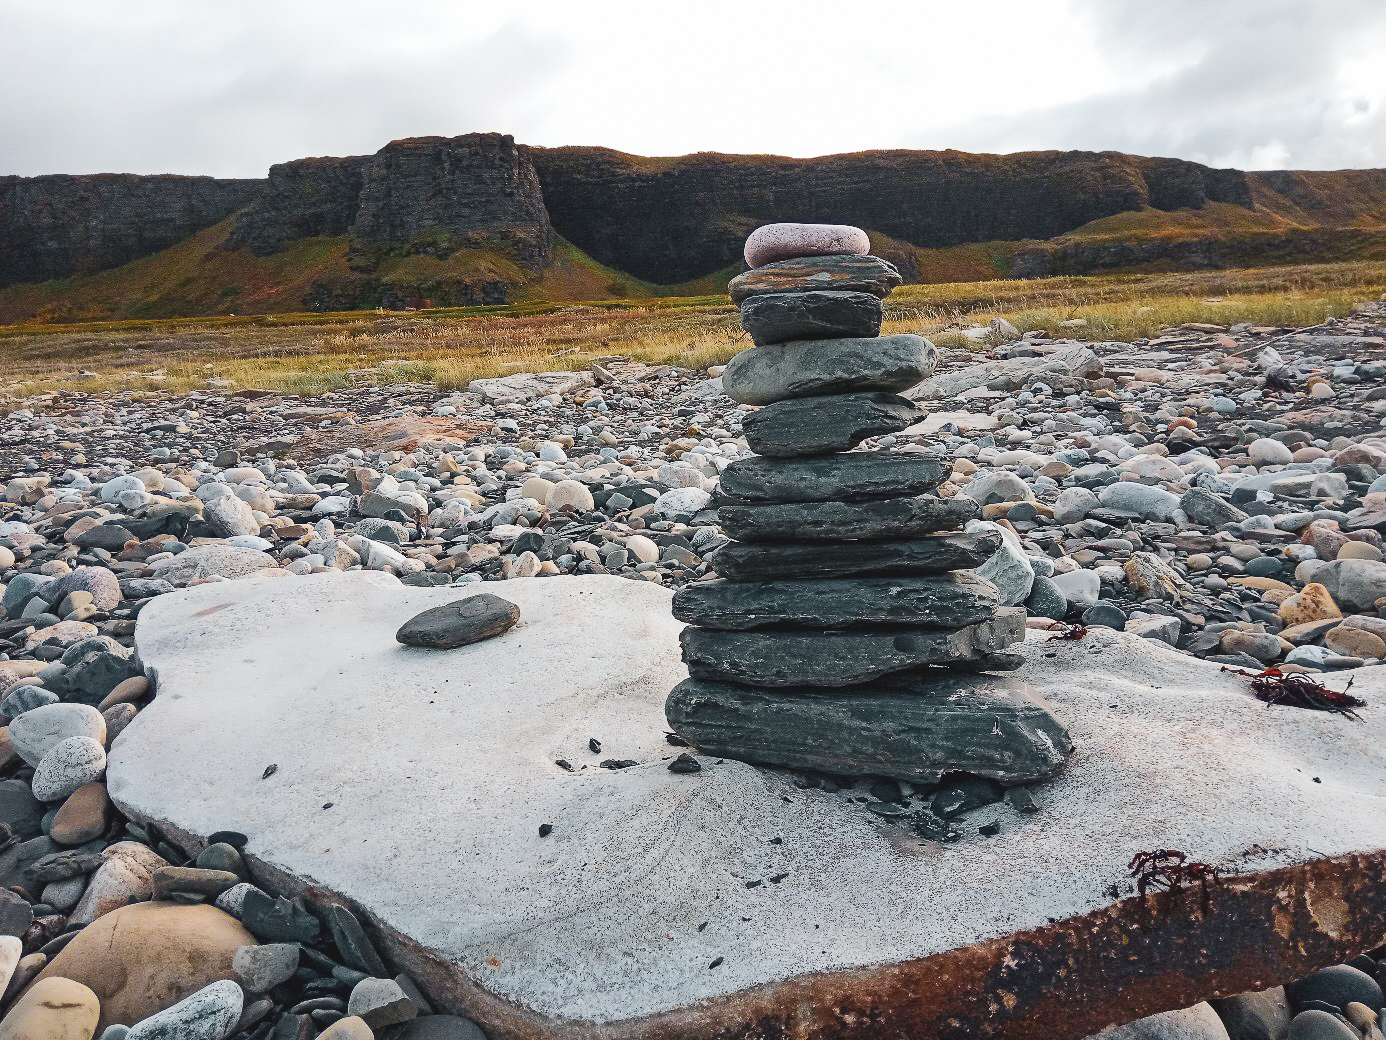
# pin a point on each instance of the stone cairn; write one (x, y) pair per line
(844, 633)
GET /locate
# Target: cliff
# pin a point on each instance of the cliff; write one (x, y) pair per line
(479, 219)
(670, 220)
(302, 199)
(424, 196)
(59, 225)
(431, 196)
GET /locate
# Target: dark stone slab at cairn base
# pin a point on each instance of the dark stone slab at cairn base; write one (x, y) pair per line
(910, 728)
(811, 368)
(846, 477)
(761, 561)
(944, 600)
(808, 273)
(822, 425)
(779, 317)
(831, 521)
(798, 657)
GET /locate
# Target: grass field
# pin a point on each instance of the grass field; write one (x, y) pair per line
(312, 353)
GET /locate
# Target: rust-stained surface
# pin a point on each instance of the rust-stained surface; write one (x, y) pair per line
(1062, 982)
(403, 434)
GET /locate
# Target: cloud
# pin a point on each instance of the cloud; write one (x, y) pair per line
(1264, 85)
(188, 88)
(200, 86)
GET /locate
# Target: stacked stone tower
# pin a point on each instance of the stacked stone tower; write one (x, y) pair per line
(844, 632)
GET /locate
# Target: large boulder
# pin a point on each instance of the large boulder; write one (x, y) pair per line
(441, 768)
(142, 958)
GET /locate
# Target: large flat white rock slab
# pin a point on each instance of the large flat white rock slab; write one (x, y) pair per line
(440, 767)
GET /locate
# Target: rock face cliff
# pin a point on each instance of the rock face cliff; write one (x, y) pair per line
(431, 196)
(465, 220)
(301, 199)
(670, 220)
(60, 225)
(424, 196)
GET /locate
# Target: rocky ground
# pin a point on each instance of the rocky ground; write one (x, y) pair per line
(1220, 489)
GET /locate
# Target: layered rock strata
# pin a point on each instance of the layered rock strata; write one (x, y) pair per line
(844, 632)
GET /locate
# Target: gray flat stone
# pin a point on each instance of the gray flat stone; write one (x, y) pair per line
(460, 622)
(812, 368)
(780, 317)
(778, 657)
(808, 273)
(820, 425)
(352, 942)
(914, 729)
(945, 600)
(209, 1014)
(847, 477)
(830, 521)
(759, 561)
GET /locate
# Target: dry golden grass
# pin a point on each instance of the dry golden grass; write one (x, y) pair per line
(312, 354)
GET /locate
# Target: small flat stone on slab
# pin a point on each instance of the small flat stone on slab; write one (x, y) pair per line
(827, 314)
(760, 561)
(821, 425)
(844, 272)
(812, 368)
(459, 623)
(771, 242)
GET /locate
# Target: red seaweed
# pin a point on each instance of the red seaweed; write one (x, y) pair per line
(1300, 690)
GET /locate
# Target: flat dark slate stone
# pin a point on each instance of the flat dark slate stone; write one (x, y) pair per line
(945, 600)
(819, 425)
(779, 317)
(915, 728)
(460, 622)
(815, 367)
(810, 657)
(832, 521)
(759, 561)
(850, 273)
(847, 477)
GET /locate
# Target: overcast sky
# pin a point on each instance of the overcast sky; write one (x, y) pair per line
(227, 88)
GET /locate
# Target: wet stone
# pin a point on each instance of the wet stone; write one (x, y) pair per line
(812, 368)
(355, 947)
(757, 561)
(783, 658)
(846, 273)
(830, 521)
(277, 919)
(459, 623)
(820, 425)
(948, 600)
(779, 317)
(847, 477)
(915, 729)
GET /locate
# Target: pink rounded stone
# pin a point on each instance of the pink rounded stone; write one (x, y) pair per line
(773, 242)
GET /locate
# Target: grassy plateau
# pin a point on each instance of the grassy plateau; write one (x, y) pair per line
(314, 353)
